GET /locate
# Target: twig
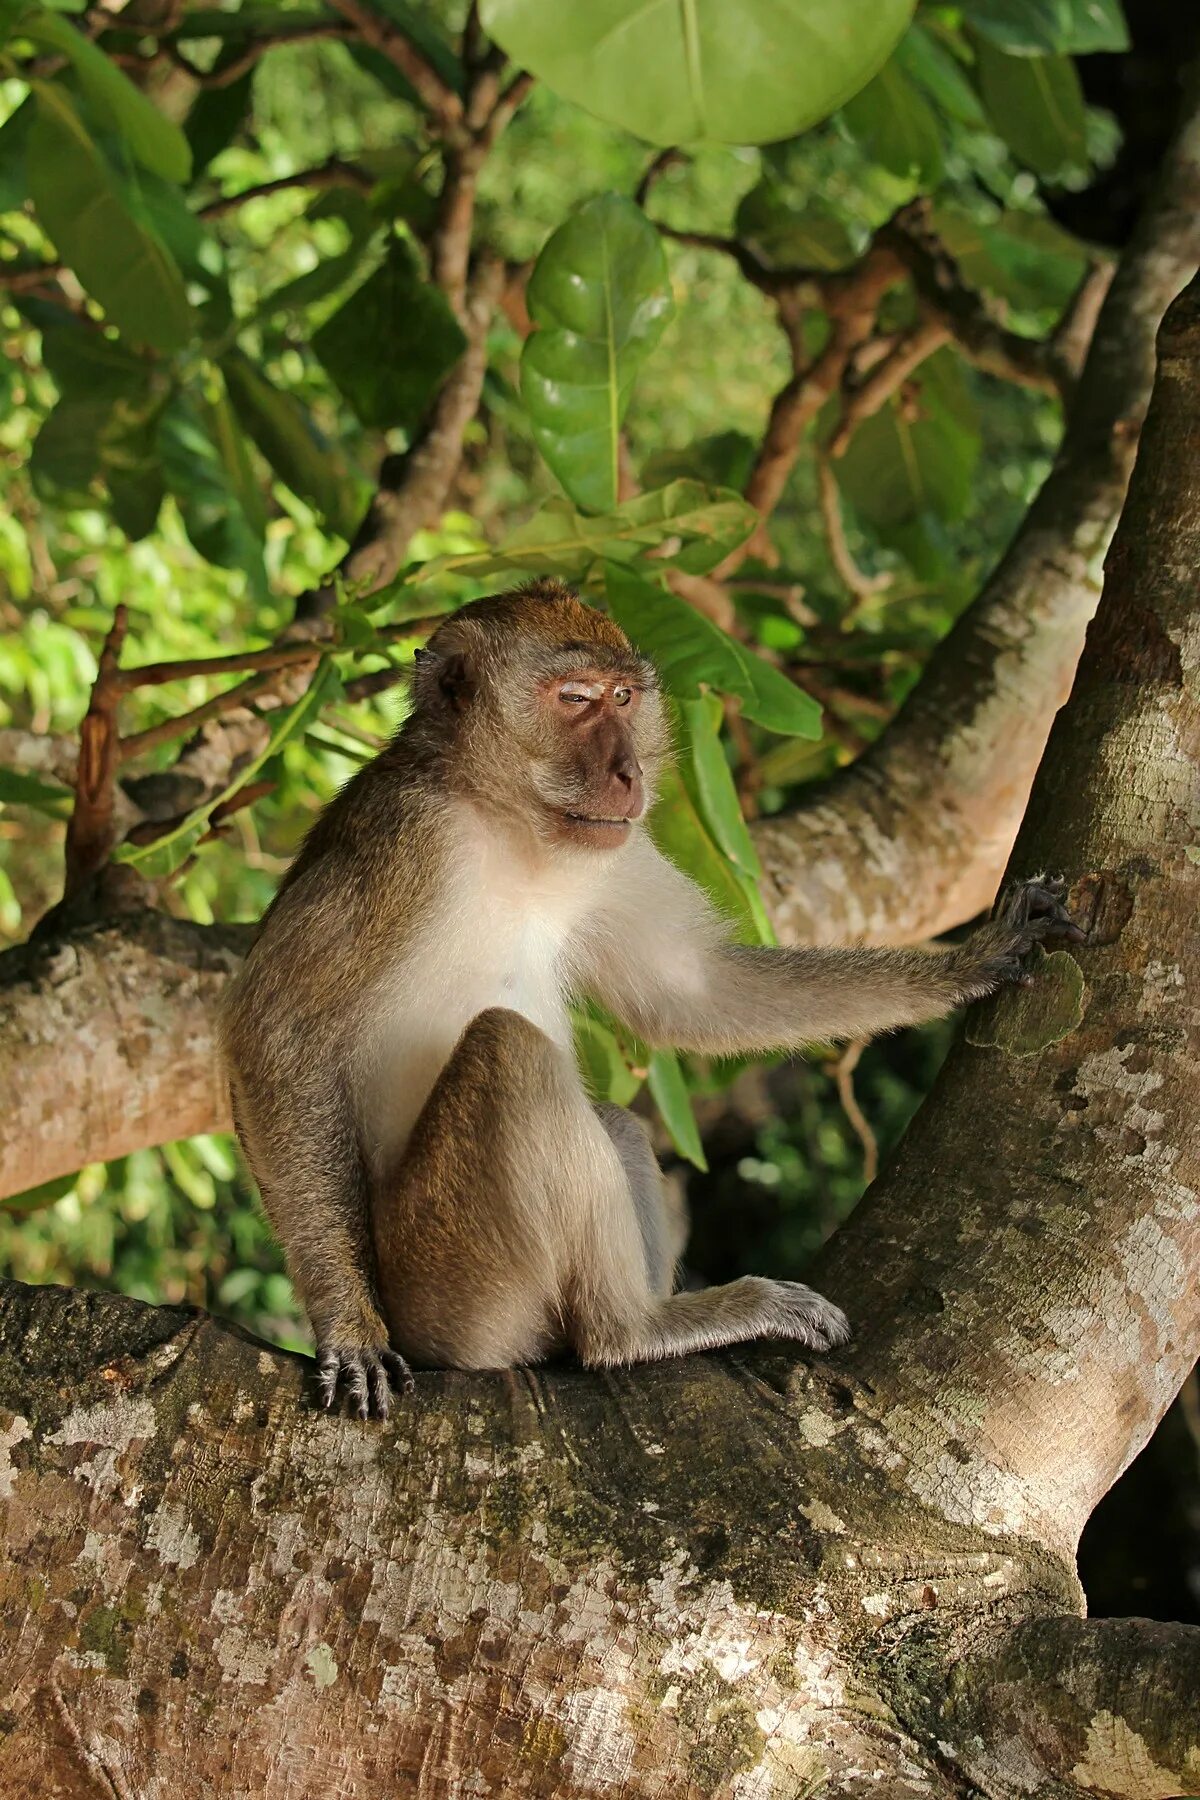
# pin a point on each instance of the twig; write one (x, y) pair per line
(226, 73)
(90, 830)
(334, 173)
(275, 656)
(436, 95)
(843, 1075)
(928, 335)
(183, 724)
(862, 586)
(655, 169)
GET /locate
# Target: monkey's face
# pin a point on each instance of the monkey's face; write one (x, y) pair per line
(556, 720)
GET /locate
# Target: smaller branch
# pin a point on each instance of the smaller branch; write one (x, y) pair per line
(436, 95)
(860, 403)
(226, 73)
(90, 829)
(843, 1075)
(861, 586)
(331, 174)
(183, 724)
(1076, 328)
(505, 106)
(806, 283)
(655, 169)
(275, 656)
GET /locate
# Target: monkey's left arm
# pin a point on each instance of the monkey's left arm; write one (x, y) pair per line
(658, 957)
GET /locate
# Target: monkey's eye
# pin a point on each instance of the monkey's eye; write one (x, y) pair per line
(579, 693)
(622, 695)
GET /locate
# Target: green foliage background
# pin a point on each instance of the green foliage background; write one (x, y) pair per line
(192, 414)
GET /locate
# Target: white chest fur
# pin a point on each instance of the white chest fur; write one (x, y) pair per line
(501, 930)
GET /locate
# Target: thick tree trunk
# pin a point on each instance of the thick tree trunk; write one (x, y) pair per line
(733, 1576)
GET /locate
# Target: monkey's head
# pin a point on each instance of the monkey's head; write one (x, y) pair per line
(551, 713)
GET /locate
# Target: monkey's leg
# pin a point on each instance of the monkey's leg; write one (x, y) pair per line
(661, 1215)
(475, 1231)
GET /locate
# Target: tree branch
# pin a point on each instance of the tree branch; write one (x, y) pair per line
(1108, 1706)
(1060, 1286)
(331, 174)
(435, 94)
(913, 838)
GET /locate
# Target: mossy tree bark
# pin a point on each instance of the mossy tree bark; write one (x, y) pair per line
(738, 1575)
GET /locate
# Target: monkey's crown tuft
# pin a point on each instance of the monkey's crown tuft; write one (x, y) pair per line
(544, 608)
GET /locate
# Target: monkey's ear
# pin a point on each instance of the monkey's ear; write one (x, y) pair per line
(454, 675)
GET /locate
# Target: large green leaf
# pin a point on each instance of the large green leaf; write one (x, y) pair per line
(397, 307)
(19, 789)
(936, 70)
(84, 362)
(694, 655)
(917, 454)
(1036, 105)
(600, 296)
(80, 201)
(748, 73)
(606, 1074)
(679, 830)
(1038, 27)
(706, 774)
(1023, 258)
(896, 126)
(206, 489)
(65, 458)
(561, 541)
(670, 1093)
(811, 236)
(285, 434)
(157, 143)
(14, 147)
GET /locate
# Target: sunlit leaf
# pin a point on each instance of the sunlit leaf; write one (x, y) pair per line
(398, 308)
(561, 541)
(157, 143)
(744, 74)
(600, 297)
(692, 655)
(79, 200)
(670, 1092)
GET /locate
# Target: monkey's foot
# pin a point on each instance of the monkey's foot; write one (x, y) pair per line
(1028, 913)
(368, 1374)
(806, 1317)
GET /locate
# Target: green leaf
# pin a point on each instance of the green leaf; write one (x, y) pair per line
(894, 125)
(84, 362)
(216, 114)
(1035, 103)
(561, 541)
(601, 297)
(677, 827)
(396, 307)
(65, 459)
(156, 142)
(19, 789)
(14, 151)
(749, 73)
(130, 461)
(81, 204)
(285, 434)
(670, 1093)
(917, 453)
(208, 494)
(1023, 258)
(329, 275)
(1035, 27)
(706, 774)
(45, 1194)
(812, 236)
(927, 61)
(692, 654)
(606, 1074)
(165, 854)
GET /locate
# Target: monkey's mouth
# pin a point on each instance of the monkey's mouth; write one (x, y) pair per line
(600, 824)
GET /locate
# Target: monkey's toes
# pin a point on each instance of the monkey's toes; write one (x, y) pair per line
(812, 1320)
(367, 1376)
(1035, 908)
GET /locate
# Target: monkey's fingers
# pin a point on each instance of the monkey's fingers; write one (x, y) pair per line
(1036, 908)
(328, 1363)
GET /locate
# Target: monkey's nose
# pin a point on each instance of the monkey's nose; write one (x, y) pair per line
(627, 770)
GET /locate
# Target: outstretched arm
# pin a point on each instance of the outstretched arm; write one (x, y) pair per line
(658, 957)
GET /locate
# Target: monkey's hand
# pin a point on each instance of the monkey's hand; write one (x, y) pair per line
(1028, 913)
(369, 1374)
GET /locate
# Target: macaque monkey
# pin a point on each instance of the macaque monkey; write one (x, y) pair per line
(399, 1045)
